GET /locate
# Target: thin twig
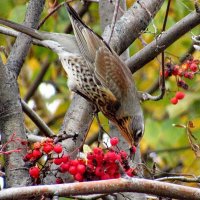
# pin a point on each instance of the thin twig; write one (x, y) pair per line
(37, 120)
(114, 19)
(144, 43)
(169, 150)
(51, 13)
(149, 13)
(147, 96)
(34, 138)
(3, 49)
(180, 178)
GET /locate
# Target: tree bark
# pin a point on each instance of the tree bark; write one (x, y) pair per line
(160, 189)
(11, 115)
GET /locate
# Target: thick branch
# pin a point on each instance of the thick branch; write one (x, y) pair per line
(168, 37)
(108, 186)
(23, 42)
(11, 115)
(130, 26)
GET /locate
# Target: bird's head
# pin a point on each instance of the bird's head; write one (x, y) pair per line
(132, 128)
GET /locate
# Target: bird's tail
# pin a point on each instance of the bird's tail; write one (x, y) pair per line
(88, 41)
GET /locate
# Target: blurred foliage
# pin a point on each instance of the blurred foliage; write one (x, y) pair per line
(170, 144)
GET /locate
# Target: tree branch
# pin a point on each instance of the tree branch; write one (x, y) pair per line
(108, 186)
(37, 120)
(129, 26)
(180, 178)
(166, 38)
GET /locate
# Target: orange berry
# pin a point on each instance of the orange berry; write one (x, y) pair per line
(36, 145)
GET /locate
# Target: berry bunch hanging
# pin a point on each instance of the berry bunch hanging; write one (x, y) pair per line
(99, 164)
(182, 72)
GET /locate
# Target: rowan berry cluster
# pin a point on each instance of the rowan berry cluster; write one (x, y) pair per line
(99, 165)
(182, 72)
(186, 70)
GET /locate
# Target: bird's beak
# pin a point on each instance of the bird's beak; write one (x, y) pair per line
(125, 129)
(136, 143)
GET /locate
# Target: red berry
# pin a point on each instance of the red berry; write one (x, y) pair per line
(181, 72)
(99, 171)
(47, 148)
(34, 172)
(72, 170)
(74, 162)
(36, 153)
(180, 95)
(49, 140)
(123, 154)
(78, 177)
(64, 167)
(117, 175)
(174, 100)
(28, 157)
(57, 161)
(190, 75)
(90, 156)
(175, 70)
(65, 158)
(111, 157)
(114, 141)
(186, 75)
(133, 149)
(81, 168)
(59, 181)
(130, 172)
(193, 67)
(166, 74)
(97, 150)
(105, 176)
(57, 148)
(99, 157)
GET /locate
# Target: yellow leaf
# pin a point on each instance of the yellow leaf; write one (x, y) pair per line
(33, 63)
(196, 123)
(3, 57)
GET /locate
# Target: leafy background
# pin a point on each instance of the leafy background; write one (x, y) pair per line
(163, 143)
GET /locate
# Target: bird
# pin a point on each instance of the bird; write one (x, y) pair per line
(95, 72)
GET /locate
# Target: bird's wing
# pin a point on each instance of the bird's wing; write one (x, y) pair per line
(108, 69)
(111, 72)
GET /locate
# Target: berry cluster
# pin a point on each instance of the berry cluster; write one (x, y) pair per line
(187, 70)
(99, 165)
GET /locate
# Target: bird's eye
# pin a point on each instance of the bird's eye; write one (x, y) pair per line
(138, 134)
